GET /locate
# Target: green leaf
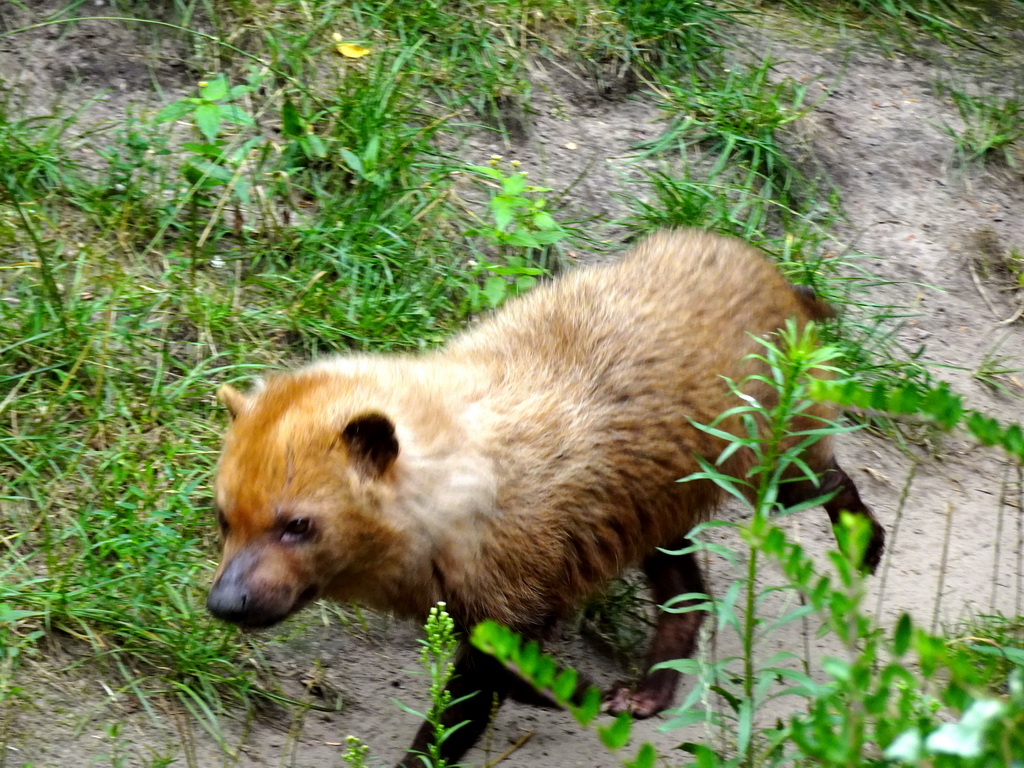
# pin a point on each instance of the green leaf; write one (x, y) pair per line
(686, 666)
(546, 237)
(589, 707)
(879, 396)
(523, 283)
(491, 637)
(544, 221)
(212, 151)
(691, 601)
(527, 657)
(616, 735)
(371, 151)
(10, 615)
(986, 430)
(1013, 441)
(902, 635)
(745, 725)
(645, 758)
(495, 289)
(565, 685)
(449, 731)
(232, 113)
(544, 672)
(241, 189)
(731, 698)
(352, 161)
(242, 151)
(687, 718)
(217, 88)
(208, 120)
(313, 146)
(516, 269)
(175, 111)
(486, 170)
(523, 239)
(1016, 655)
(514, 184)
(205, 175)
(503, 210)
(905, 399)
(237, 91)
(837, 668)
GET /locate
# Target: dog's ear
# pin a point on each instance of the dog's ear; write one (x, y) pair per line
(372, 444)
(232, 399)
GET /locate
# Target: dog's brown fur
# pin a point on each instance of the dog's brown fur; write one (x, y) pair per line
(515, 471)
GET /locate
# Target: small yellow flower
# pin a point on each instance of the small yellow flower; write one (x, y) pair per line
(203, 83)
(351, 50)
(336, 37)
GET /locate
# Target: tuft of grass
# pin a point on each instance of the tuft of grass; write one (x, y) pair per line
(33, 152)
(949, 22)
(474, 49)
(996, 370)
(620, 617)
(647, 37)
(996, 645)
(735, 116)
(992, 127)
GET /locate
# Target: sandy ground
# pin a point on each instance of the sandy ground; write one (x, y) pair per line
(878, 133)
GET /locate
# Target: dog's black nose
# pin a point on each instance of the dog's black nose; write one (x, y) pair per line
(228, 602)
(230, 597)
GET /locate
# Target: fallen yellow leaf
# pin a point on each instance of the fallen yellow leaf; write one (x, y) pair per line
(351, 50)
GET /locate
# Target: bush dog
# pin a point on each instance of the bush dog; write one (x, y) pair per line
(516, 470)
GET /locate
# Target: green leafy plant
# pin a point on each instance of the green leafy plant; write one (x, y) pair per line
(304, 145)
(744, 681)
(542, 671)
(438, 659)
(521, 227)
(355, 752)
(938, 404)
(669, 37)
(218, 161)
(519, 209)
(989, 732)
(470, 46)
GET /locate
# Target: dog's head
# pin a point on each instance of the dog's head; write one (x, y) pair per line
(300, 485)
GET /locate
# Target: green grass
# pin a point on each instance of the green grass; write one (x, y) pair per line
(992, 127)
(948, 21)
(998, 370)
(736, 114)
(995, 643)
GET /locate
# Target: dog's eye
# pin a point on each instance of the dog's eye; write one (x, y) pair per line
(297, 528)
